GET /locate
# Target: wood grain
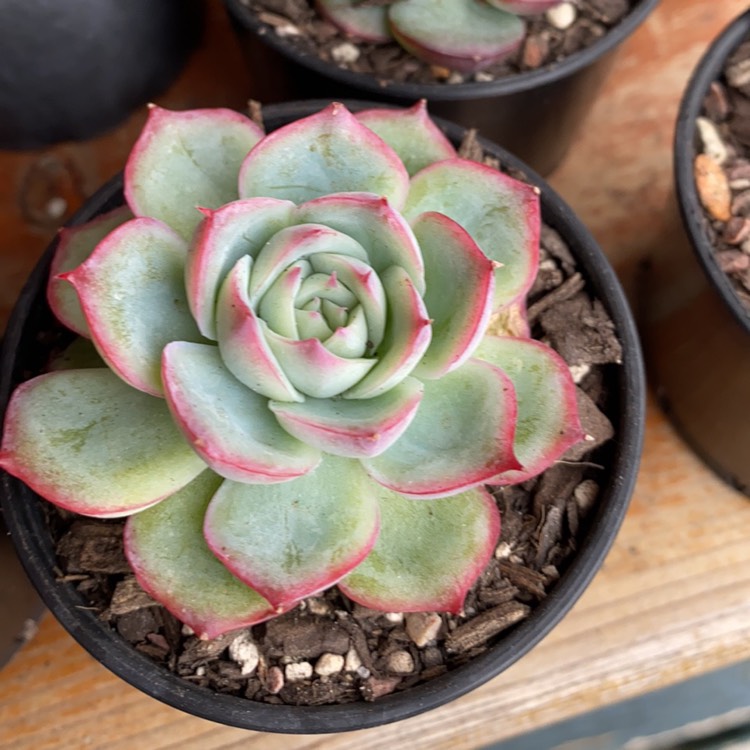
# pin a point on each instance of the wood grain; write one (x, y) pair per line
(673, 597)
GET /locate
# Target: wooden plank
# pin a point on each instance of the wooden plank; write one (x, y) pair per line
(673, 598)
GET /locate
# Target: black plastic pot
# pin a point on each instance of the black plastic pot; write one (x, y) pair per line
(695, 331)
(71, 70)
(534, 114)
(26, 518)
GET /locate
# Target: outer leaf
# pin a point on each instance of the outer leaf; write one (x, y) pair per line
(524, 7)
(328, 152)
(500, 213)
(75, 245)
(460, 292)
(80, 355)
(291, 540)
(228, 425)
(133, 295)
(411, 134)
(406, 338)
(369, 23)
(428, 554)
(461, 437)
(183, 160)
(548, 421)
(237, 229)
(370, 220)
(356, 427)
(242, 339)
(172, 562)
(466, 35)
(88, 442)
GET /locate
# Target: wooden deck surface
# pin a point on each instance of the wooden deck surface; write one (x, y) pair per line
(673, 598)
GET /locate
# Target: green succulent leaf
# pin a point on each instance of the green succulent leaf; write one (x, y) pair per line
(291, 540)
(328, 152)
(428, 553)
(75, 245)
(411, 134)
(460, 293)
(131, 330)
(240, 228)
(352, 427)
(547, 423)
(461, 436)
(465, 35)
(172, 562)
(368, 23)
(500, 213)
(186, 160)
(228, 425)
(524, 7)
(92, 444)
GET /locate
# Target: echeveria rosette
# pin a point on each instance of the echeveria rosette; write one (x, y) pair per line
(297, 385)
(464, 35)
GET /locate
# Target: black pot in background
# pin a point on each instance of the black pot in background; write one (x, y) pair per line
(26, 516)
(533, 114)
(70, 70)
(695, 331)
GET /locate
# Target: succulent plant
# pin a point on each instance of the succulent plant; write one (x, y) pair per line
(296, 384)
(463, 35)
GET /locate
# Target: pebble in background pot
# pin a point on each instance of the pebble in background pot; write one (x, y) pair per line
(71, 70)
(27, 522)
(695, 328)
(534, 114)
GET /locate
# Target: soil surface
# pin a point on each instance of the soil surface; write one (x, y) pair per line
(722, 170)
(331, 650)
(550, 38)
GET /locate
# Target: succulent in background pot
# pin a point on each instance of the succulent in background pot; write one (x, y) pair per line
(309, 381)
(534, 111)
(695, 319)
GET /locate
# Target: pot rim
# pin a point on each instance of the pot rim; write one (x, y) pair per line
(448, 92)
(27, 525)
(708, 70)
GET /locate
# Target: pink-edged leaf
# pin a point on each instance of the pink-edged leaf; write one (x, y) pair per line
(229, 426)
(132, 292)
(242, 339)
(500, 213)
(411, 133)
(375, 224)
(223, 237)
(172, 562)
(355, 427)
(366, 23)
(461, 437)
(548, 421)
(429, 553)
(524, 7)
(288, 541)
(314, 370)
(366, 286)
(292, 244)
(350, 339)
(328, 152)
(183, 160)
(75, 245)
(89, 443)
(460, 292)
(407, 336)
(465, 35)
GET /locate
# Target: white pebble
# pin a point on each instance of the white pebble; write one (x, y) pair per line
(329, 664)
(395, 618)
(345, 53)
(423, 627)
(244, 651)
(352, 662)
(318, 606)
(713, 145)
(503, 551)
(579, 372)
(562, 16)
(288, 29)
(400, 662)
(301, 670)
